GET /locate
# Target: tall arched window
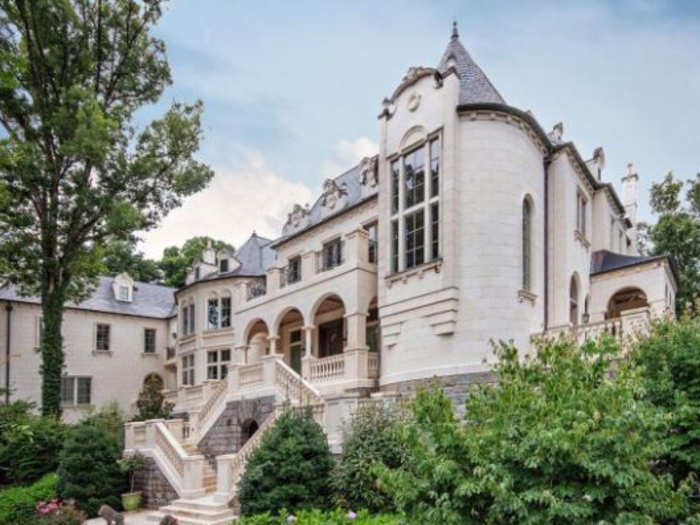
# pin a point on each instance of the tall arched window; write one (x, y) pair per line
(527, 244)
(573, 300)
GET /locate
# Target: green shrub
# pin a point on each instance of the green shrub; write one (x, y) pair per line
(560, 439)
(290, 469)
(111, 419)
(151, 403)
(318, 517)
(370, 436)
(58, 513)
(17, 504)
(88, 471)
(29, 444)
(670, 360)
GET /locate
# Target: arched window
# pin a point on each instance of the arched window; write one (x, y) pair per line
(573, 300)
(527, 245)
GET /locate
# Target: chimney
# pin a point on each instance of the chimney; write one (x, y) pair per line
(597, 162)
(630, 193)
(557, 133)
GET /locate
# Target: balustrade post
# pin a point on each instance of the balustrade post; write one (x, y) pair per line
(224, 479)
(151, 432)
(269, 369)
(193, 473)
(308, 357)
(129, 436)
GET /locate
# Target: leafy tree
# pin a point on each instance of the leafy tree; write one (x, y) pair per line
(371, 436)
(177, 261)
(670, 361)
(121, 256)
(677, 232)
(558, 440)
(75, 172)
(290, 469)
(88, 471)
(151, 403)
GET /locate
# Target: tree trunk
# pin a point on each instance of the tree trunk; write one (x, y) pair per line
(52, 351)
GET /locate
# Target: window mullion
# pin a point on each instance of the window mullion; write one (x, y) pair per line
(401, 218)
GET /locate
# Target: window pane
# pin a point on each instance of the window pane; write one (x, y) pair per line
(102, 342)
(395, 186)
(223, 265)
(67, 390)
(434, 167)
(394, 246)
(414, 177)
(434, 231)
(415, 240)
(212, 357)
(225, 312)
(212, 372)
(192, 318)
(149, 341)
(213, 314)
(84, 390)
(226, 355)
(224, 371)
(526, 245)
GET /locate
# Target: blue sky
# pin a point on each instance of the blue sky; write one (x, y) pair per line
(292, 89)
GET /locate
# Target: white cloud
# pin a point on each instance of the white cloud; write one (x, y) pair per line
(235, 203)
(348, 153)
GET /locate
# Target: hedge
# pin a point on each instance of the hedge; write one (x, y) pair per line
(318, 517)
(17, 503)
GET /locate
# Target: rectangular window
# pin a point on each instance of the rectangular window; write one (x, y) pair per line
(330, 338)
(191, 316)
(372, 242)
(434, 167)
(196, 273)
(223, 265)
(395, 246)
(212, 314)
(102, 338)
(123, 293)
(225, 312)
(217, 363)
(434, 231)
(332, 254)
(188, 369)
(372, 330)
(76, 391)
(185, 321)
(415, 239)
(414, 177)
(294, 270)
(395, 187)
(581, 205)
(149, 340)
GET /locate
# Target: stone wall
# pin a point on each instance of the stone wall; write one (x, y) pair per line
(155, 489)
(456, 387)
(227, 434)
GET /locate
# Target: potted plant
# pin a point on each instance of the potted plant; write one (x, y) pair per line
(131, 465)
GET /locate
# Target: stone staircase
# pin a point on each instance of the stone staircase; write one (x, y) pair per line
(208, 495)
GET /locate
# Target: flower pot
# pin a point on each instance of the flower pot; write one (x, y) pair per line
(131, 501)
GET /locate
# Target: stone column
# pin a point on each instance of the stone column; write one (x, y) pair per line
(356, 350)
(224, 482)
(308, 357)
(273, 340)
(241, 353)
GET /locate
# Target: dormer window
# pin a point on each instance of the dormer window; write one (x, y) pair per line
(123, 288)
(123, 293)
(223, 266)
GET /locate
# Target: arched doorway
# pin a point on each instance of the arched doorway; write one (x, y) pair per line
(290, 328)
(329, 318)
(248, 428)
(626, 299)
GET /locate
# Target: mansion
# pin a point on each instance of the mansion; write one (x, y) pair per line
(473, 223)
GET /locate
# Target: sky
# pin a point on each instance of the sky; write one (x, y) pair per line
(292, 89)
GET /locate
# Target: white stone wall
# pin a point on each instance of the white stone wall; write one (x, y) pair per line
(116, 375)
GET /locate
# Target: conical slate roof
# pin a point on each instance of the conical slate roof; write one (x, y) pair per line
(475, 87)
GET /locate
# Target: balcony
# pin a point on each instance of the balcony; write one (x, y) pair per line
(255, 289)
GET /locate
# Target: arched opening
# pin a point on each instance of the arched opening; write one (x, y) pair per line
(372, 327)
(154, 379)
(329, 318)
(248, 428)
(626, 299)
(290, 328)
(257, 341)
(527, 244)
(573, 300)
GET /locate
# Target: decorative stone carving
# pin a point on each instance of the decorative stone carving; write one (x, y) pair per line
(368, 172)
(332, 193)
(413, 102)
(296, 218)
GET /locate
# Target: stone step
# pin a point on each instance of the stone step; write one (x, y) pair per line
(156, 516)
(200, 511)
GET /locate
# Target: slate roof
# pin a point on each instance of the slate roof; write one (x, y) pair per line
(475, 87)
(605, 261)
(150, 300)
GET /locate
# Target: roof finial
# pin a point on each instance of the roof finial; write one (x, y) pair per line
(455, 33)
